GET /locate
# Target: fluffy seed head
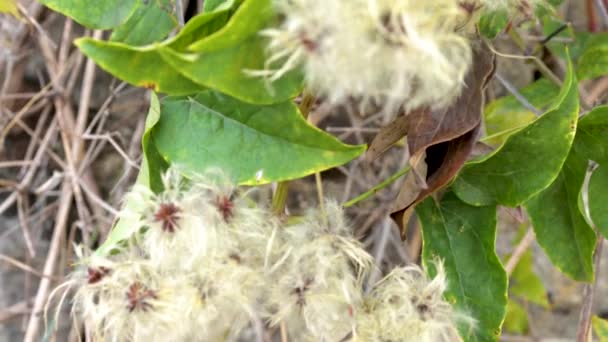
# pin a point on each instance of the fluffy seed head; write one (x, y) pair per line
(386, 54)
(408, 306)
(317, 285)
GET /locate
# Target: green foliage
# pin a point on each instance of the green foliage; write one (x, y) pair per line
(257, 144)
(464, 237)
(213, 5)
(210, 52)
(101, 14)
(600, 327)
(575, 41)
(507, 114)
(151, 22)
(9, 7)
(560, 227)
(526, 284)
(598, 197)
(516, 320)
(591, 141)
(221, 59)
(140, 66)
(593, 61)
(529, 160)
(491, 24)
(218, 115)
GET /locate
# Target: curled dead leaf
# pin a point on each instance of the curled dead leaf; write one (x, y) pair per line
(440, 142)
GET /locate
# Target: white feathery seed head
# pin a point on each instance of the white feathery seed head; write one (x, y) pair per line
(131, 301)
(228, 295)
(206, 263)
(408, 306)
(316, 288)
(510, 6)
(383, 54)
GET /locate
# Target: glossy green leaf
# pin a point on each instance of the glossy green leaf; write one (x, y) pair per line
(491, 24)
(507, 113)
(464, 237)
(516, 320)
(598, 198)
(591, 137)
(600, 327)
(560, 227)
(139, 66)
(99, 14)
(529, 160)
(220, 61)
(151, 22)
(152, 166)
(254, 144)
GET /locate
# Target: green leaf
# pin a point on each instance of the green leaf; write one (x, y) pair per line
(574, 44)
(464, 237)
(598, 197)
(220, 60)
(529, 160)
(254, 144)
(492, 23)
(151, 22)
(600, 327)
(560, 227)
(152, 166)
(591, 141)
(100, 14)
(593, 61)
(144, 66)
(139, 66)
(507, 113)
(216, 5)
(247, 21)
(516, 320)
(199, 27)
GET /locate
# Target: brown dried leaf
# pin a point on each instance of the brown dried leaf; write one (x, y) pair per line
(387, 137)
(443, 139)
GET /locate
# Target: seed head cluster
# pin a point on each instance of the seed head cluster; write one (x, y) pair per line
(205, 263)
(381, 55)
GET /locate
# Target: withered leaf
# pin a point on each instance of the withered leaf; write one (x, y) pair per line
(443, 139)
(387, 137)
